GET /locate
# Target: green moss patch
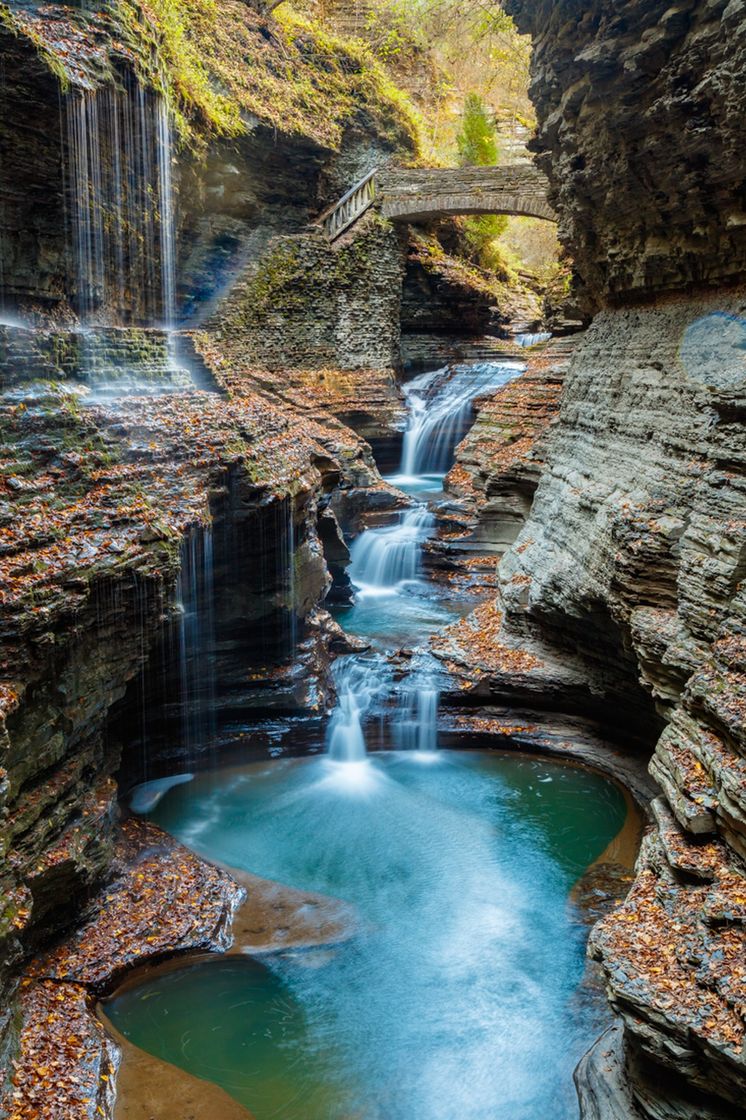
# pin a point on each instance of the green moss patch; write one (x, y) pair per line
(223, 67)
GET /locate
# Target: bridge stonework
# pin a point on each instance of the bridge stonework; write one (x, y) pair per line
(422, 194)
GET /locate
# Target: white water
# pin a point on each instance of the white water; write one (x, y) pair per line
(456, 997)
(526, 340)
(121, 202)
(360, 683)
(441, 412)
(416, 723)
(382, 559)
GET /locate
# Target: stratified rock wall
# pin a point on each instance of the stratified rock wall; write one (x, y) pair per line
(318, 325)
(641, 106)
(501, 459)
(104, 518)
(311, 305)
(637, 531)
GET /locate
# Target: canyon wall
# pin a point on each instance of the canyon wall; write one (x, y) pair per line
(639, 107)
(167, 534)
(634, 552)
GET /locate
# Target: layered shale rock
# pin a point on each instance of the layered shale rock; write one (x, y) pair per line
(639, 107)
(104, 560)
(499, 463)
(631, 562)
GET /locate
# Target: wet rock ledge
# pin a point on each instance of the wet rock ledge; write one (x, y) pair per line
(162, 900)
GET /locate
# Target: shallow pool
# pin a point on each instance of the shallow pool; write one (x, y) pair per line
(460, 993)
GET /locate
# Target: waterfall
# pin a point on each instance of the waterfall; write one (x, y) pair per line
(525, 340)
(121, 205)
(384, 561)
(195, 596)
(359, 683)
(416, 722)
(166, 201)
(383, 558)
(366, 689)
(440, 408)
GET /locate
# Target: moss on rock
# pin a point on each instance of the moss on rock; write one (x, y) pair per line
(224, 68)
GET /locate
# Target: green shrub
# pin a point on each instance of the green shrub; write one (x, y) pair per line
(477, 139)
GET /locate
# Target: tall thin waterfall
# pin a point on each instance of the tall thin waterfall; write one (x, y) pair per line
(383, 558)
(167, 227)
(195, 595)
(441, 412)
(121, 206)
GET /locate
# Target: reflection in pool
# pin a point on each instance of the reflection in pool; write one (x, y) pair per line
(459, 994)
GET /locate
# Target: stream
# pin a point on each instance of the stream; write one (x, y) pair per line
(460, 990)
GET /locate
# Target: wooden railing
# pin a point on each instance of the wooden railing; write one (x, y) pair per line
(350, 207)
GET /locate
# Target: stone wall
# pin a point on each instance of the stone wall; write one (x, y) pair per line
(318, 326)
(311, 305)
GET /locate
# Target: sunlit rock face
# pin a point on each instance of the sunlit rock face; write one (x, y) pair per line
(640, 108)
(638, 526)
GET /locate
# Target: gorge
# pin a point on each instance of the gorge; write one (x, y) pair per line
(373, 619)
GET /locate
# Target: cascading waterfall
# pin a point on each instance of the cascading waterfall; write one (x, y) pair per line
(441, 411)
(387, 561)
(383, 558)
(526, 340)
(121, 203)
(366, 691)
(359, 684)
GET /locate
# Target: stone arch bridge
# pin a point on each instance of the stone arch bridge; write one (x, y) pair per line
(422, 194)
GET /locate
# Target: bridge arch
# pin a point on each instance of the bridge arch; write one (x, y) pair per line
(419, 194)
(422, 194)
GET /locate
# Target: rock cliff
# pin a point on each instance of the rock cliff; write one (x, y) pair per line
(639, 106)
(632, 559)
(164, 525)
